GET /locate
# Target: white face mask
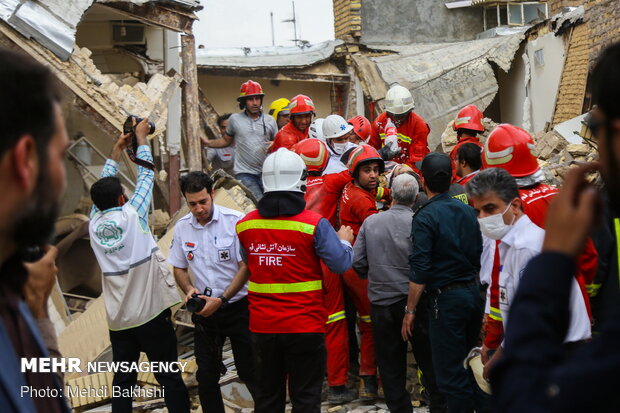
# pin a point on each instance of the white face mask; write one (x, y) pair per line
(339, 148)
(494, 226)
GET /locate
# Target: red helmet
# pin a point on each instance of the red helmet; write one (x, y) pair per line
(301, 105)
(314, 153)
(510, 148)
(250, 88)
(364, 154)
(361, 127)
(469, 117)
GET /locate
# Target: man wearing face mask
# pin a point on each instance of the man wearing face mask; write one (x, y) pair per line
(500, 213)
(444, 262)
(411, 130)
(510, 148)
(301, 111)
(535, 375)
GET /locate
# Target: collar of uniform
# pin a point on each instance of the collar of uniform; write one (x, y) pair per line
(438, 197)
(511, 236)
(214, 218)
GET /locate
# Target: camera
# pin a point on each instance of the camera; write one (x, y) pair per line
(128, 126)
(195, 304)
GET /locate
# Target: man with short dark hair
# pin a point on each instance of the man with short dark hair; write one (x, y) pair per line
(138, 288)
(495, 196)
(33, 141)
(206, 242)
(468, 162)
(222, 158)
(382, 256)
(251, 131)
(445, 261)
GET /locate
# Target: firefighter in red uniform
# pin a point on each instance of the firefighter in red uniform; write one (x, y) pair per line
(468, 162)
(362, 129)
(468, 124)
(322, 195)
(358, 203)
(510, 147)
(284, 244)
(301, 111)
(412, 130)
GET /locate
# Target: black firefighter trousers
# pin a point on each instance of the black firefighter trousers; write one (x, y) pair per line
(300, 357)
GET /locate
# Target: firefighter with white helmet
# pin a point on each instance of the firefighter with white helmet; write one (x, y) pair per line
(336, 131)
(411, 131)
(284, 246)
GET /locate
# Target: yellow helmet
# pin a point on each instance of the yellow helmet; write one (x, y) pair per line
(279, 106)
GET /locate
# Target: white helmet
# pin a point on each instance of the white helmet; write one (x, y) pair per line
(316, 129)
(284, 170)
(398, 100)
(335, 126)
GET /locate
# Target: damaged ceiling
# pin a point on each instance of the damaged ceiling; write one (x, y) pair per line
(53, 23)
(442, 77)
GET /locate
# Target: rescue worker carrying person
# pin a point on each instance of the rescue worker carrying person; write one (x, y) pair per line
(301, 111)
(283, 245)
(412, 130)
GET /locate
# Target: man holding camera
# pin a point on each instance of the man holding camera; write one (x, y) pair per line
(206, 242)
(138, 288)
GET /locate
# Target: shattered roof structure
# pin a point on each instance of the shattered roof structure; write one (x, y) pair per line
(53, 23)
(442, 77)
(267, 57)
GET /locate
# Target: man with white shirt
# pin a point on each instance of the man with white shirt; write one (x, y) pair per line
(495, 196)
(205, 241)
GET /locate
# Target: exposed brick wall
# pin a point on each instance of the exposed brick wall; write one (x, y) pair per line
(347, 19)
(574, 77)
(603, 19)
(556, 5)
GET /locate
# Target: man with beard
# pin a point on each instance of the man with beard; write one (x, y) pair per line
(138, 287)
(251, 131)
(33, 141)
(535, 374)
(357, 204)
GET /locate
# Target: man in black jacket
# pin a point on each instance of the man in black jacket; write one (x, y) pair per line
(536, 375)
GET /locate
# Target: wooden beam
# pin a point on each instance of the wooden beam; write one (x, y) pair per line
(275, 74)
(208, 117)
(174, 167)
(158, 15)
(190, 123)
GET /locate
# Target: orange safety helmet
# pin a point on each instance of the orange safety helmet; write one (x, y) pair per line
(250, 88)
(301, 105)
(314, 153)
(364, 154)
(510, 148)
(470, 118)
(361, 127)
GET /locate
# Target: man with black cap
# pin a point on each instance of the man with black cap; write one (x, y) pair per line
(445, 261)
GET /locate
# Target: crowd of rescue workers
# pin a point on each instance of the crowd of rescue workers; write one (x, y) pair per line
(363, 244)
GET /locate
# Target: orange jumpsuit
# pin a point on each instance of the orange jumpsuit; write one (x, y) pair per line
(322, 195)
(356, 205)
